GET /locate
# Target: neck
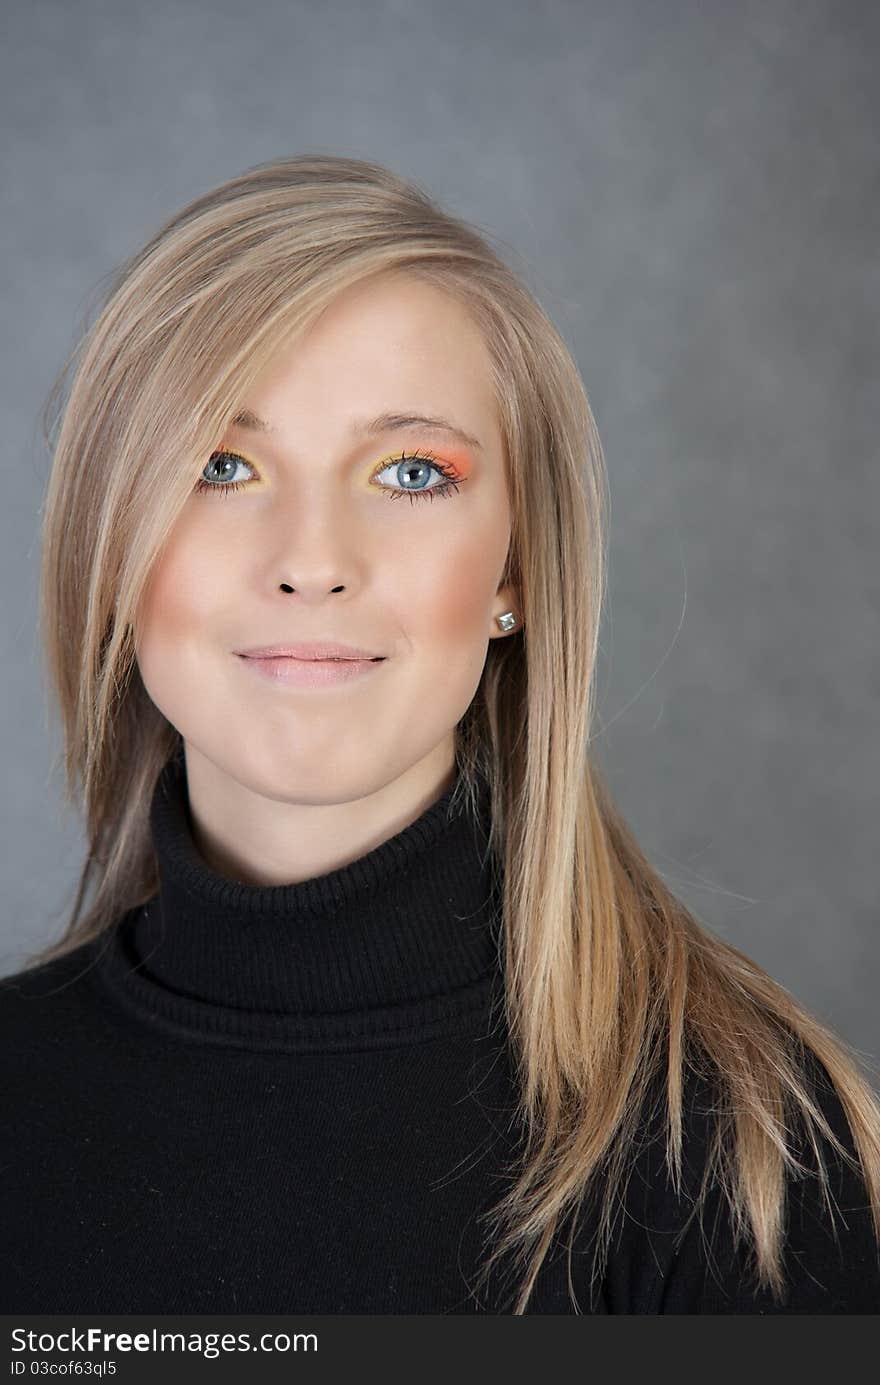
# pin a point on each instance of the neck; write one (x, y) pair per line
(406, 936)
(254, 838)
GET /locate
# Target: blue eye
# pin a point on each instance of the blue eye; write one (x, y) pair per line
(408, 466)
(420, 464)
(229, 459)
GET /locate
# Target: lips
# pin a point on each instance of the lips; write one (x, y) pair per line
(312, 672)
(311, 652)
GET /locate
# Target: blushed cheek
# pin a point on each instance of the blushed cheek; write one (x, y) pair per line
(459, 598)
(170, 610)
(171, 630)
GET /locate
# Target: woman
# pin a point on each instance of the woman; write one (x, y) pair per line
(377, 1006)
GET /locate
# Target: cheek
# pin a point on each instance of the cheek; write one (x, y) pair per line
(175, 604)
(452, 597)
(174, 617)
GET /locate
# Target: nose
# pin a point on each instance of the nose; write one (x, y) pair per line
(320, 551)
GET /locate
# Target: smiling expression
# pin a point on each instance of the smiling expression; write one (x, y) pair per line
(328, 512)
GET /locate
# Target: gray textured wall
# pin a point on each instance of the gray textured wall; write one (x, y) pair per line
(691, 189)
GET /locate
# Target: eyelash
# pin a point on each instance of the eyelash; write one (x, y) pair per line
(452, 482)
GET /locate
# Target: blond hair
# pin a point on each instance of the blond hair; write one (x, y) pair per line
(607, 974)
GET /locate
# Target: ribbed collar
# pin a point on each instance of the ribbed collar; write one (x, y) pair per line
(396, 946)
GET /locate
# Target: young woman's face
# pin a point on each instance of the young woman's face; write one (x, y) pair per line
(321, 542)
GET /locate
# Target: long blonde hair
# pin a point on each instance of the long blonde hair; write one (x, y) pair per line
(607, 974)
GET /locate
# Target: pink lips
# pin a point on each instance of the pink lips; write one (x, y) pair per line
(312, 672)
(308, 649)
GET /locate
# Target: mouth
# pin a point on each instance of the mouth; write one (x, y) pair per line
(312, 659)
(311, 653)
(314, 673)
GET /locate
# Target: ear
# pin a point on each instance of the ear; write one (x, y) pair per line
(506, 599)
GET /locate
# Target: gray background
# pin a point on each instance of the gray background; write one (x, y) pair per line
(691, 190)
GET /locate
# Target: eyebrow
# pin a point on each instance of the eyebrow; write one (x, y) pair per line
(382, 423)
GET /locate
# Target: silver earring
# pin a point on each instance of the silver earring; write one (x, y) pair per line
(507, 621)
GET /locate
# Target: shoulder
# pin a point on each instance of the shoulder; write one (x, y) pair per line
(831, 1258)
(45, 977)
(45, 1004)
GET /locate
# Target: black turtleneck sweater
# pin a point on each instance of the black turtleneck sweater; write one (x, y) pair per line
(300, 1099)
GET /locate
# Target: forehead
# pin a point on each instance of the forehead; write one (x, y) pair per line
(390, 342)
(402, 304)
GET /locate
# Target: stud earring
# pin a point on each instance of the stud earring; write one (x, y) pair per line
(507, 621)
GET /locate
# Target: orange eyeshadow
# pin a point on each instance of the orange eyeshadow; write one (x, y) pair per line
(460, 459)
